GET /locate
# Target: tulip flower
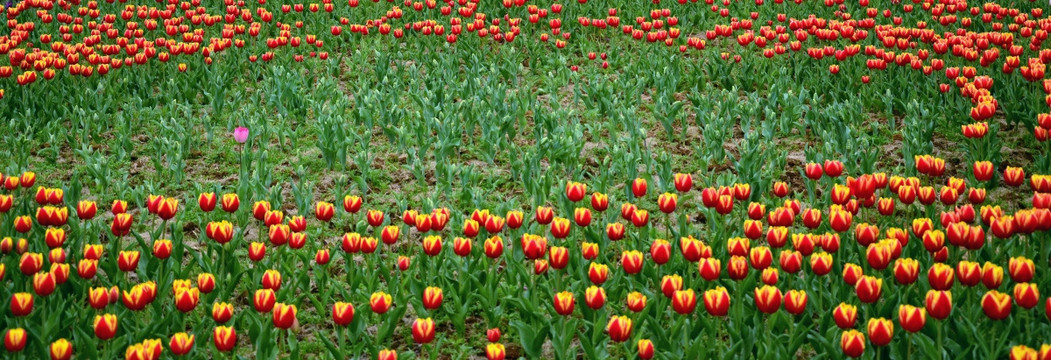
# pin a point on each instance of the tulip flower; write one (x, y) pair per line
(374, 217)
(387, 354)
(660, 251)
(996, 305)
(186, 298)
(640, 218)
(515, 219)
(1026, 295)
(560, 226)
(667, 202)
(470, 229)
(853, 343)
(645, 348)
(423, 330)
(627, 211)
(821, 263)
(769, 276)
(105, 326)
(683, 182)
(284, 315)
(912, 318)
(61, 349)
(494, 247)
(432, 297)
(941, 276)
(230, 202)
(1022, 352)
(868, 288)
(880, 331)
(595, 297)
(795, 301)
(581, 216)
(181, 343)
(15, 339)
(575, 191)
(631, 261)
(636, 301)
(21, 304)
(544, 215)
(768, 299)
(564, 303)
(256, 251)
(222, 312)
(619, 328)
(86, 210)
(380, 302)
(638, 187)
(495, 351)
(684, 301)
(1021, 269)
(342, 313)
(241, 134)
(324, 211)
(938, 304)
(432, 245)
(224, 338)
(271, 279)
(205, 282)
(717, 301)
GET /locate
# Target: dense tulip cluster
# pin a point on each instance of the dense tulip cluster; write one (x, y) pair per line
(842, 178)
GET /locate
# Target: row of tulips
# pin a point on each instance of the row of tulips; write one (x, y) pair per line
(520, 275)
(89, 39)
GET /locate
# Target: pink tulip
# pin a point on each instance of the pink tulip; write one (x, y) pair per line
(241, 134)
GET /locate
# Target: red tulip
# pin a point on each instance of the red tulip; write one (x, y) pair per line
(638, 187)
(768, 299)
(645, 348)
(15, 339)
(996, 305)
(432, 297)
(105, 326)
(631, 261)
(284, 315)
(224, 338)
(853, 343)
(595, 297)
(795, 301)
(576, 191)
(21, 304)
(61, 349)
(619, 328)
(180, 344)
(564, 303)
(868, 289)
(880, 331)
(845, 315)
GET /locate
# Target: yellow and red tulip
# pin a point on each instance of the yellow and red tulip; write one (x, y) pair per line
(284, 315)
(15, 339)
(881, 331)
(853, 343)
(845, 315)
(619, 328)
(768, 299)
(423, 330)
(380, 302)
(61, 349)
(224, 338)
(105, 326)
(564, 303)
(996, 305)
(342, 313)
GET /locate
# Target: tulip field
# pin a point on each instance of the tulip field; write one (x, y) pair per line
(505, 179)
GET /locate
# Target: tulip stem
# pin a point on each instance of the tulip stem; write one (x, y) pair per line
(939, 326)
(908, 349)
